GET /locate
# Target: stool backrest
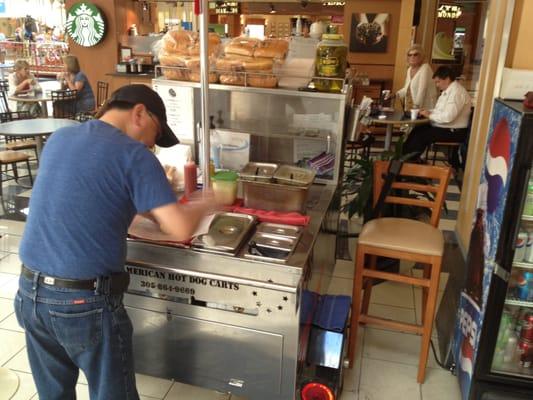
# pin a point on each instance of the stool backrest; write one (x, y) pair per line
(102, 89)
(64, 103)
(437, 183)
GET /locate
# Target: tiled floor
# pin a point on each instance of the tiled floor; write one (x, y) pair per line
(386, 365)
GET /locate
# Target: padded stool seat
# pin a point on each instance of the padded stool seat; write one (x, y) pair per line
(12, 156)
(416, 237)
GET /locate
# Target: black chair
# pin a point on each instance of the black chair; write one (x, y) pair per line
(4, 105)
(64, 103)
(102, 89)
(4, 85)
(17, 143)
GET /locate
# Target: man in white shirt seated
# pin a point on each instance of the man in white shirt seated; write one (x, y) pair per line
(449, 119)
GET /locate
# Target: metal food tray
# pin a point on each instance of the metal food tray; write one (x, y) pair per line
(294, 176)
(268, 242)
(226, 233)
(260, 172)
(290, 231)
(274, 196)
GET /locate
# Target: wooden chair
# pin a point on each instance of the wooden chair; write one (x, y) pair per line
(102, 89)
(10, 158)
(64, 103)
(403, 239)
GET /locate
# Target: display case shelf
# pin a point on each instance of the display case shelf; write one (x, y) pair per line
(514, 369)
(527, 218)
(519, 303)
(523, 265)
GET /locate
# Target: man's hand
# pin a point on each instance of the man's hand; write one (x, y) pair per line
(425, 113)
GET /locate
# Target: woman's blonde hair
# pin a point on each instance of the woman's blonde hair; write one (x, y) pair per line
(416, 47)
(72, 64)
(21, 64)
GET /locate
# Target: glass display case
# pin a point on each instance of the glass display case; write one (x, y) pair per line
(284, 126)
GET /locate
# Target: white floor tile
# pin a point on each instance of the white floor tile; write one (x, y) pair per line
(13, 227)
(341, 286)
(440, 385)
(26, 388)
(82, 392)
(10, 243)
(398, 347)
(9, 290)
(151, 386)
(10, 344)
(348, 395)
(10, 264)
(6, 309)
(10, 323)
(382, 380)
(181, 391)
(447, 225)
(343, 269)
(393, 294)
(390, 312)
(20, 362)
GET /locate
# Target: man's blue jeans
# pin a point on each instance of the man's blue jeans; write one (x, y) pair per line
(68, 330)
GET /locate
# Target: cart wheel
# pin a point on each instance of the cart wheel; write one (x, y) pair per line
(316, 391)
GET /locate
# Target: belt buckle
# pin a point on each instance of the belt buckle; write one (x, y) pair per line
(49, 280)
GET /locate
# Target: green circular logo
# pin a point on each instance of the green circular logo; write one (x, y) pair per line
(85, 24)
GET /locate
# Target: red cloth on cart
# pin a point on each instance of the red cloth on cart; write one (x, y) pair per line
(288, 218)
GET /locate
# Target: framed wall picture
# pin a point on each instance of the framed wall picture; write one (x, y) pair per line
(369, 32)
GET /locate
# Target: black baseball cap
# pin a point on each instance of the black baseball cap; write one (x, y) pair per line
(142, 94)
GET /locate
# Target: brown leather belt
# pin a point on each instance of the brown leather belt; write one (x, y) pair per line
(113, 284)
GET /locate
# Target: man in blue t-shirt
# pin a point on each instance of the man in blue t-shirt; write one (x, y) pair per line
(93, 179)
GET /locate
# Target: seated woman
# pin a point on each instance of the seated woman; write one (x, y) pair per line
(72, 78)
(419, 90)
(22, 81)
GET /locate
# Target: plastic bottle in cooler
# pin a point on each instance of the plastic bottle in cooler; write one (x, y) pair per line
(528, 276)
(529, 247)
(520, 246)
(528, 206)
(522, 290)
(510, 348)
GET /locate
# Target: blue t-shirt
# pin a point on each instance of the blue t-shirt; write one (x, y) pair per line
(92, 181)
(85, 100)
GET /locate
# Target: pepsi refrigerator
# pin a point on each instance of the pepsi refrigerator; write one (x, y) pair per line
(493, 341)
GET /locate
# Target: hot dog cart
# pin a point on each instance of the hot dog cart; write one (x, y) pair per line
(220, 315)
(227, 322)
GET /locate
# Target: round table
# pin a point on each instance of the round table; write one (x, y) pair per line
(37, 128)
(395, 118)
(41, 97)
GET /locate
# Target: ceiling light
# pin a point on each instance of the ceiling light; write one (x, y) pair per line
(272, 9)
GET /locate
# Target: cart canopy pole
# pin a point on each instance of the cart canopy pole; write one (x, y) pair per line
(204, 88)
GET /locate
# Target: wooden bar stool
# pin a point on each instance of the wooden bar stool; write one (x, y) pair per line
(403, 239)
(12, 158)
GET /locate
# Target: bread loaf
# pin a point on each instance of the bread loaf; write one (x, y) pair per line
(195, 76)
(187, 43)
(242, 46)
(232, 79)
(261, 80)
(258, 64)
(272, 48)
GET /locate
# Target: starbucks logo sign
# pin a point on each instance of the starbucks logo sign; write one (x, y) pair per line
(85, 24)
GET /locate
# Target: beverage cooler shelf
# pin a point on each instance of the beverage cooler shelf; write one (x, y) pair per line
(527, 218)
(523, 265)
(520, 303)
(514, 369)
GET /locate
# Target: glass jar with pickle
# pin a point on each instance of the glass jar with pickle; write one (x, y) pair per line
(330, 63)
